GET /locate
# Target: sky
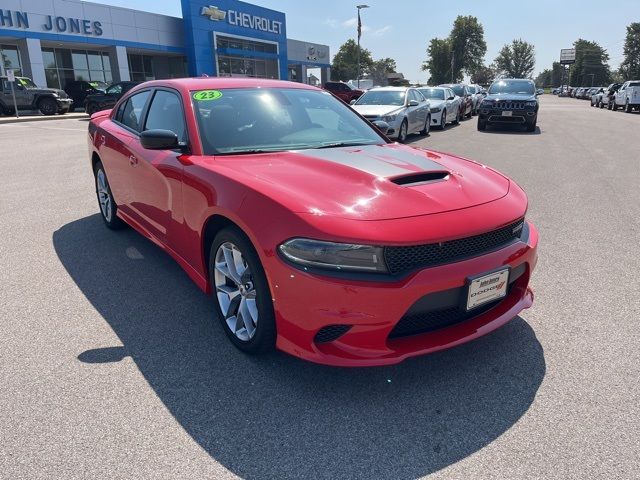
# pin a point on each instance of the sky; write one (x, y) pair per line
(402, 31)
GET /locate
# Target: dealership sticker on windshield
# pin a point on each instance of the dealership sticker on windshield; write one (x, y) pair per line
(207, 95)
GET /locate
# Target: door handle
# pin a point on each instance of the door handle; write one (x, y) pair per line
(133, 161)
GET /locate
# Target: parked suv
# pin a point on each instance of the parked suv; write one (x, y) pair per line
(107, 99)
(31, 97)
(79, 89)
(628, 96)
(510, 101)
(343, 91)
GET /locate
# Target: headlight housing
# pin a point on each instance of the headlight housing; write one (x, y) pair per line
(338, 257)
(390, 118)
(436, 109)
(487, 103)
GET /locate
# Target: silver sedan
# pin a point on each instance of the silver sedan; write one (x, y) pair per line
(445, 105)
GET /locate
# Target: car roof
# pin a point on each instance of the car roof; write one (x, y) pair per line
(431, 88)
(391, 89)
(214, 83)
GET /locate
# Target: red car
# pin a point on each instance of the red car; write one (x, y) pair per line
(343, 91)
(314, 233)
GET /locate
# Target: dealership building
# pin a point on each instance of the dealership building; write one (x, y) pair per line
(56, 41)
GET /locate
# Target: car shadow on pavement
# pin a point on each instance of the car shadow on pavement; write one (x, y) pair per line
(279, 417)
(510, 129)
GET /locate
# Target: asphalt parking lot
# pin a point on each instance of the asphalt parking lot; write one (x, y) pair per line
(112, 367)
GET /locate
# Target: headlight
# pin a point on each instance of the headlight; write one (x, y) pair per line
(390, 118)
(435, 109)
(532, 103)
(334, 256)
(487, 103)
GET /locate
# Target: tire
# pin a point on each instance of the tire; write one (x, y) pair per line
(482, 125)
(403, 132)
(470, 114)
(91, 109)
(457, 120)
(443, 120)
(601, 105)
(106, 203)
(427, 126)
(627, 107)
(9, 111)
(531, 126)
(48, 106)
(231, 250)
(614, 107)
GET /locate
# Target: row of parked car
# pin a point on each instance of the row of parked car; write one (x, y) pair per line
(91, 96)
(409, 110)
(615, 96)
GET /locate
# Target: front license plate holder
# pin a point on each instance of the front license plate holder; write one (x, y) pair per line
(487, 287)
(507, 113)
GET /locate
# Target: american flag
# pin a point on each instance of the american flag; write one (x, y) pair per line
(359, 26)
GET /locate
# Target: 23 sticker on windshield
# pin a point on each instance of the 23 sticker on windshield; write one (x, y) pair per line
(207, 95)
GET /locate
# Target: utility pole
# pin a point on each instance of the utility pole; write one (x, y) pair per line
(453, 62)
(359, 7)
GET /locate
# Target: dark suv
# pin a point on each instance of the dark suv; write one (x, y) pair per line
(78, 90)
(510, 101)
(107, 99)
(343, 91)
(31, 97)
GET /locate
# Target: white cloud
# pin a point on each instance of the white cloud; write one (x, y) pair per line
(381, 31)
(332, 22)
(352, 22)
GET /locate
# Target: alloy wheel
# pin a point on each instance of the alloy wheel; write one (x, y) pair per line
(235, 291)
(104, 196)
(402, 134)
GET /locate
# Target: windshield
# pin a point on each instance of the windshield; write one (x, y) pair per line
(458, 90)
(382, 97)
(256, 120)
(432, 93)
(522, 87)
(472, 89)
(26, 82)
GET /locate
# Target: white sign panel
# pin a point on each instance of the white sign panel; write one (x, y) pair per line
(568, 55)
(11, 76)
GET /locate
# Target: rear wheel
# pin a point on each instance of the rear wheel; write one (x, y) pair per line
(48, 106)
(427, 126)
(402, 133)
(457, 120)
(242, 298)
(108, 207)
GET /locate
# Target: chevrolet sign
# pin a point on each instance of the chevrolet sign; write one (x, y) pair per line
(214, 13)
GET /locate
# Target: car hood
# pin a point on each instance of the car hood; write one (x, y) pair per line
(377, 110)
(57, 91)
(374, 182)
(510, 96)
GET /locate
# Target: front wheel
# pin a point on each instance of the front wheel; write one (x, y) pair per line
(48, 106)
(531, 126)
(242, 298)
(402, 133)
(482, 125)
(627, 107)
(427, 126)
(457, 120)
(108, 207)
(443, 120)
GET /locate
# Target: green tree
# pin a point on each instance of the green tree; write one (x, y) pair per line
(544, 78)
(345, 62)
(439, 61)
(516, 60)
(483, 75)
(591, 67)
(557, 72)
(379, 70)
(630, 67)
(468, 46)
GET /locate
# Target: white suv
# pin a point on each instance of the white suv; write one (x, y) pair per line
(628, 96)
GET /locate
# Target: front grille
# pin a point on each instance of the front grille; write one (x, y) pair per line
(414, 324)
(510, 105)
(330, 333)
(402, 260)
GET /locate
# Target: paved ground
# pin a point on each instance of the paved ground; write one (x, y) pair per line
(30, 117)
(111, 367)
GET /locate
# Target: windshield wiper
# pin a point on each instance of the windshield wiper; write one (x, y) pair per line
(341, 144)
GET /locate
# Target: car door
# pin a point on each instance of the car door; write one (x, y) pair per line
(156, 175)
(423, 109)
(621, 94)
(411, 111)
(23, 99)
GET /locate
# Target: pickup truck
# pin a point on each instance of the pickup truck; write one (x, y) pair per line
(628, 96)
(31, 97)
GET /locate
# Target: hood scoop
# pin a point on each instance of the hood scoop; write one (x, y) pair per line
(422, 178)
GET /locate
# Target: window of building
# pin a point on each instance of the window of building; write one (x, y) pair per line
(11, 58)
(247, 67)
(141, 68)
(64, 65)
(246, 45)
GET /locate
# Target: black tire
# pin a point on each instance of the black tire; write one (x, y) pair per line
(427, 126)
(9, 111)
(614, 107)
(470, 114)
(531, 126)
(113, 221)
(48, 106)
(443, 120)
(482, 125)
(627, 107)
(264, 338)
(457, 120)
(601, 105)
(404, 126)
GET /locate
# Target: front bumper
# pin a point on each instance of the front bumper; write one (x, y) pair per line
(373, 309)
(64, 103)
(495, 115)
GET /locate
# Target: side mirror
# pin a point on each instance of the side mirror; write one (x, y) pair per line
(353, 102)
(451, 98)
(382, 126)
(159, 140)
(413, 103)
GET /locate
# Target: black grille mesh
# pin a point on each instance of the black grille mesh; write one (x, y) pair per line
(331, 333)
(405, 259)
(435, 320)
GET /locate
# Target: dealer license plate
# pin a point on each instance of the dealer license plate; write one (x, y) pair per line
(487, 288)
(507, 113)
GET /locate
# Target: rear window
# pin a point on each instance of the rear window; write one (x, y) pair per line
(634, 84)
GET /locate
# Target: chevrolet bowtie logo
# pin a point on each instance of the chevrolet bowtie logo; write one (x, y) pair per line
(214, 13)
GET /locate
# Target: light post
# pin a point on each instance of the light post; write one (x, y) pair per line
(359, 7)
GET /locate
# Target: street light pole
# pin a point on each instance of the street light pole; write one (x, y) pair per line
(359, 7)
